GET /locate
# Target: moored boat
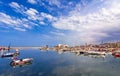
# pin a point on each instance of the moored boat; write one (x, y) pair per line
(21, 62)
(94, 53)
(116, 54)
(10, 54)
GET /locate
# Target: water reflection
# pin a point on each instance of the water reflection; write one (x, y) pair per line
(90, 65)
(91, 55)
(52, 63)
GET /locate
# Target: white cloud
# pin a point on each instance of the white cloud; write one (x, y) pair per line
(31, 11)
(15, 23)
(91, 26)
(31, 17)
(32, 1)
(41, 22)
(18, 8)
(57, 33)
(55, 2)
(19, 29)
(27, 12)
(32, 14)
(48, 16)
(6, 19)
(14, 5)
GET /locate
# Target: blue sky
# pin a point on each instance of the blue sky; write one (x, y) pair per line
(73, 22)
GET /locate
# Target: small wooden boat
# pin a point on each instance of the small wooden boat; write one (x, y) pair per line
(116, 54)
(10, 54)
(21, 62)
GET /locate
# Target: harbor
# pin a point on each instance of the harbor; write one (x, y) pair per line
(95, 50)
(87, 49)
(52, 62)
(62, 58)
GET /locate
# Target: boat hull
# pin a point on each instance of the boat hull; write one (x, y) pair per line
(10, 55)
(116, 54)
(21, 62)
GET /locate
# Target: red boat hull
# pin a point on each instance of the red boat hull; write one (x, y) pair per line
(116, 54)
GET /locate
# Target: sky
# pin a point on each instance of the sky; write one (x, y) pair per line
(50, 22)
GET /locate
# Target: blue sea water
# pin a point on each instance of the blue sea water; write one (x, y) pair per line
(51, 63)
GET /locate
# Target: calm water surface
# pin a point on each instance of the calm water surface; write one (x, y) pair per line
(51, 63)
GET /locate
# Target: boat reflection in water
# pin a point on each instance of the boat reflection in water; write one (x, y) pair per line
(21, 62)
(93, 54)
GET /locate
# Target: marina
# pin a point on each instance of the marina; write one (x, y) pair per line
(87, 49)
(53, 63)
(59, 60)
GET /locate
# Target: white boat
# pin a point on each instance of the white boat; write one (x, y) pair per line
(21, 62)
(9, 54)
(95, 53)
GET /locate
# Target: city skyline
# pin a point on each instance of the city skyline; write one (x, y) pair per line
(50, 22)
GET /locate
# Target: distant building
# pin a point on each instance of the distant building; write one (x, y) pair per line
(62, 46)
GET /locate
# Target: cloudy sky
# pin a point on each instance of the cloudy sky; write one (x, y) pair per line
(41, 22)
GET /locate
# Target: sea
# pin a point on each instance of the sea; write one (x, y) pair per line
(53, 63)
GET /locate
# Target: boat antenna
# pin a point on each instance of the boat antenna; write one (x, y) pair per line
(9, 47)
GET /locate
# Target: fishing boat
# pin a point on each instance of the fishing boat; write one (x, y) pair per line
(116, 54)
(21, 62)
(95, 53)
(10, 54)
